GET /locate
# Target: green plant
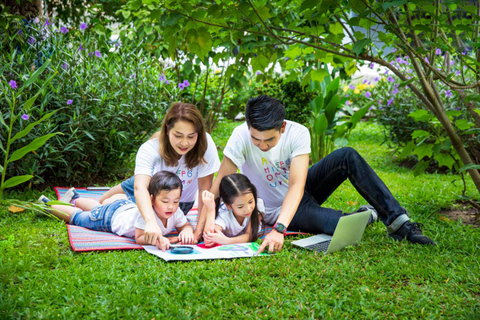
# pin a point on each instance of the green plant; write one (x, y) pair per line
(328, 128)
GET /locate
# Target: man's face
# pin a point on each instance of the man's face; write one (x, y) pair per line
(266, 140)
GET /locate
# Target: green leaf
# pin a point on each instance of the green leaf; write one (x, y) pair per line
(34, 76)
(471, 97)
(395, 3)
(318, 75)
(359, 46)
(420, 167)
(420, 134)
(444, 159)
(2, 121)
(331, 108)
(317, 104)
(404, 83)
(320, 125)
(336, 28)
(32, 146)
(463, 124)
(407, 150)
(470, 166)
(340, 142)
(27, 130)
(420, 115)
(424, 150)
(357, 116)
(12, 182)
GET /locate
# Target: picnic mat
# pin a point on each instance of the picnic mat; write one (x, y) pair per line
(83, 239)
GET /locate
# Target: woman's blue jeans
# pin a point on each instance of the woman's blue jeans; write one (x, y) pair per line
(326, 176)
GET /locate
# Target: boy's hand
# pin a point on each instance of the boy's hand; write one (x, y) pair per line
(208, 199)
(186, 236)
(163, 243)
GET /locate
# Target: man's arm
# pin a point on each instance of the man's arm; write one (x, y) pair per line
(298, 177)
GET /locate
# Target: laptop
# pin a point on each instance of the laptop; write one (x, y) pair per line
(349, 231)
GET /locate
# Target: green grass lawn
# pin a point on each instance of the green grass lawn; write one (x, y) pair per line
(41, 277)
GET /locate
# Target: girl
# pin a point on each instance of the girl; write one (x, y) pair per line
(181, 146)
(123, 218)
(238, 218)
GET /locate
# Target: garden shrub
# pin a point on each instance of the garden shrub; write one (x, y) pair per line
(295, 98)
(109, 100)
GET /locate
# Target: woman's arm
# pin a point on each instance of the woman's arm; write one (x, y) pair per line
(152, 232)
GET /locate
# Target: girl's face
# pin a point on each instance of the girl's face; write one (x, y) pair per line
(243, 206)
(166, 203)
(183, 137)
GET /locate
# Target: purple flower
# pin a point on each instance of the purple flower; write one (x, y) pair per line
(364, 81)
(426, 60)
(81, 47)
(458, 72)
(69, 101)
(372, 65)
(64, 30)
(186, 83)
(452, 62)
(258, 73)
(162, 78)
(448, 93)
(464, 53)
(394, 50)
(347, 102)
(275, 47)
(47, 23)
(167, 82)
(395, 91)
(65, 66)
(386, 72)
(90, 54)
(352, 87)
(389, 102)
(390, 79)
(181, 86)
(286, 59)
(13, 84)
(98, 54)
(83, 26)
(31, 40)
(368, 94)
(371, 108)
(25, 116)
(438, 51)
(376, 79)
(20, 32)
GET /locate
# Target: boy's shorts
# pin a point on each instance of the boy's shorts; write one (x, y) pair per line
(128, 188)
(99, 218)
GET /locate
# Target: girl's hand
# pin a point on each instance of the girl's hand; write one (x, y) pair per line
(186, 236)
(208, 199)
(163, 243)
(211, 238)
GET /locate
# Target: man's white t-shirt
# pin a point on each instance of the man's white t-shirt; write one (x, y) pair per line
(230, 225)
(268, 171)
(128, 217)
(149, 162)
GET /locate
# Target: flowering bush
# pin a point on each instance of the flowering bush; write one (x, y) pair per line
(407, 123)
(109, 99)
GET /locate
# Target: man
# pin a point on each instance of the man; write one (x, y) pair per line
(274, 154)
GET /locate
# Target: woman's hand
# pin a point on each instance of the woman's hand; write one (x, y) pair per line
(163, 243)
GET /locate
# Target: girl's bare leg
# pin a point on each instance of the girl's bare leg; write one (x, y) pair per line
(86, 204)
(62, 211)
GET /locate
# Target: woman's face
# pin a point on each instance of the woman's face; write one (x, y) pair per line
(182, 137)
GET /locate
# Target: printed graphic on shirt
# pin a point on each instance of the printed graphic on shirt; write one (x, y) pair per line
(276, 173)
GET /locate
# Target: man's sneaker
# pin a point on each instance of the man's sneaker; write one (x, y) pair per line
(43, 199)
(373, 216)
(70, 195)
(411, 231)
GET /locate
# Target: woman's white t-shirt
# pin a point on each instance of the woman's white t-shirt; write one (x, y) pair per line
(149, 162)
(230, 225)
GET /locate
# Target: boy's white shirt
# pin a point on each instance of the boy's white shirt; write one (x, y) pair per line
(268, 171)
(125, 221)
(148, 162)
(230, 225)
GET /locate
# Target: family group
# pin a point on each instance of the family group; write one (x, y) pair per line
(275, 185)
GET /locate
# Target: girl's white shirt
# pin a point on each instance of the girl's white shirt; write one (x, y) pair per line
(148, 162)
(230, 226)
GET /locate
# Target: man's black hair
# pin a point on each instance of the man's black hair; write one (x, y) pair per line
(264, 113)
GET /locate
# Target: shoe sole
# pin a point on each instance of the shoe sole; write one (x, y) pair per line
(67, 197)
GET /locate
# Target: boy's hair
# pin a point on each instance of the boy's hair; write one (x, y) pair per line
(264, 113)
(235, 185)
(164, 181)
(182, 112)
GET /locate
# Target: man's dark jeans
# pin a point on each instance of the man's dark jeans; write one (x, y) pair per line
(324, 178)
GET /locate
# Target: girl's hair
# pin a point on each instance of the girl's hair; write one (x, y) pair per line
(235, 185)
(182, 112)
(164, 181)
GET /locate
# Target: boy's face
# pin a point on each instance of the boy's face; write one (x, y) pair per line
(166, 203)
(266, 140)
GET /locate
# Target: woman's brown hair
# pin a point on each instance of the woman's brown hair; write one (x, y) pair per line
(184, 112)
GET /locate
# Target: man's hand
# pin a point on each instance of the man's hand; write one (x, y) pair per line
(152, 232)
(274, 241)
(186, 236)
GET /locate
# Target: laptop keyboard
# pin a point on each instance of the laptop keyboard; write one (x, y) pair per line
(319, 247)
